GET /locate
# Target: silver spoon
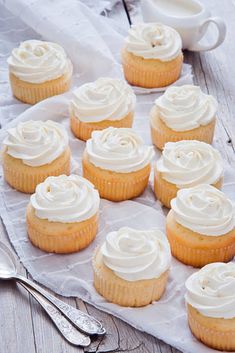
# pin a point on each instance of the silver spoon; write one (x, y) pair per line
(79, 319)
(70, 333)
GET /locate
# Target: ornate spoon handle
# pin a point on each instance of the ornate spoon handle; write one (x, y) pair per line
(70, 333)
(81, 320)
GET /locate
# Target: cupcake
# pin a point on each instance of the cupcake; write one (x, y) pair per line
(152, 56)
(117, 162)
(201, 226)
(39, 70)
(100, 104)
(185, 164)
(183, 113)
(62, 215)
(131, 267)
(210, 300)
(33, 151)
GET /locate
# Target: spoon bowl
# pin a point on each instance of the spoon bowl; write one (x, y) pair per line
(8, 268)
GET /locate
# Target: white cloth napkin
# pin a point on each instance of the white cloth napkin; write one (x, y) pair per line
(71, 275)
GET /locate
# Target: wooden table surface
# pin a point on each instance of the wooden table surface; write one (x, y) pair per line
(24, 328)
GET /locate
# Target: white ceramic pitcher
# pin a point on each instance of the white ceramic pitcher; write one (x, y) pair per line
(189, 17)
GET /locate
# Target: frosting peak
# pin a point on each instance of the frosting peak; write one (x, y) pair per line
(65, 199)
(186, 107)
(36, 142)
(211, 290)
(190, 163)
(205, 210)
(135, 254)
(154, 41)
(119, 150)
(38, 61)
(104, 99)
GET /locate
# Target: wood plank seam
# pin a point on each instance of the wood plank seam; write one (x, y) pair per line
(229, 141)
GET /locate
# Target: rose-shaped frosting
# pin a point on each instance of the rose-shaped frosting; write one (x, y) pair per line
(190, 163)
(211, 290)
(204, 209)
(37, 61)
(136, 254)
(65, 199)
(153, 41)
(119, 150)
(36, 142)
(104, 99)
(186, 107)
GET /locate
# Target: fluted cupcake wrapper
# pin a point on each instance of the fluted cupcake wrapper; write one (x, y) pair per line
(32, 93)
(160, 136)
(126, 293)
(59, 237)
(196, 249)
(215, 333)
(25, 178)
(116, 186)
(84, 130)
(141, 78)
(118, 191)
(150, 73)
(200, 257)
(165, 191)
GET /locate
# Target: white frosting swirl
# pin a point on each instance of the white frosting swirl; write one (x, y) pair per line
(190, 163)
(104, 99)
(119, 150)
(154, 41)
(136, 255)
(211, 290)
(65, 199)
(37, 61)
(205, 210)
(186, 107)
(36, 142)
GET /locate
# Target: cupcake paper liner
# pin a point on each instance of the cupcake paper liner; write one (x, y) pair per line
(116, 186)
(126, 293)
(161, 134)
(195, 249)
(200, 257)
(150, 73)
(60, 237)
(32, 93)
(84, 130)
(215, 333)
(165, 191)
(25, 178)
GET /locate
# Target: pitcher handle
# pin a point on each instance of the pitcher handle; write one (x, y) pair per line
(221, 27)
